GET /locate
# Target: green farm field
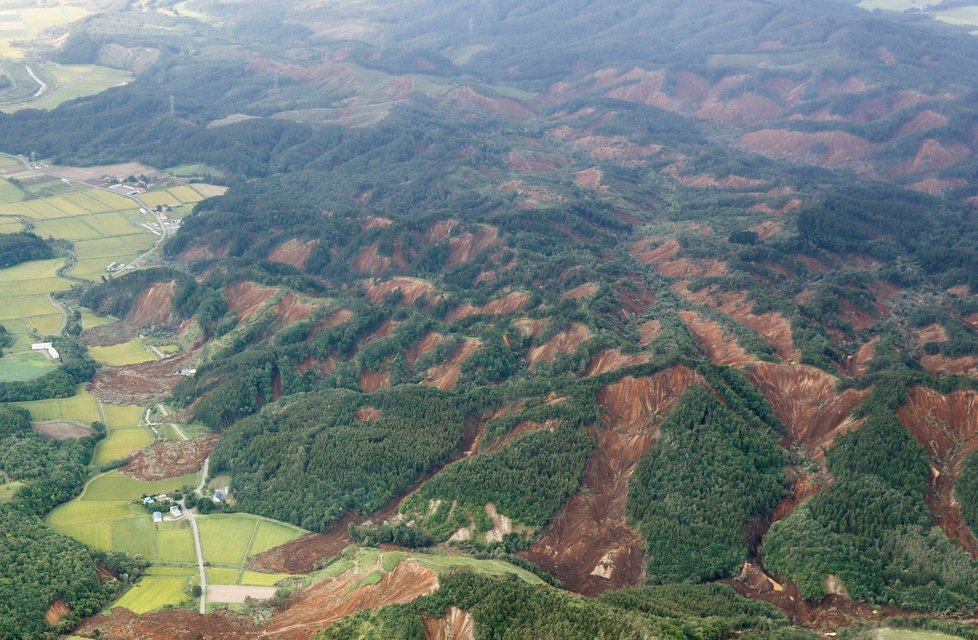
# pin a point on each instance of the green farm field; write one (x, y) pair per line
(132, 352)
(24, 366)
(155, 592)
(80, 408)
(120, 443)
(231, 539)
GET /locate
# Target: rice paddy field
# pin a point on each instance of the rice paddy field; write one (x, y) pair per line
(25, 365)
(81, 408)
(132, 352)
(108, 516)
(104, 227)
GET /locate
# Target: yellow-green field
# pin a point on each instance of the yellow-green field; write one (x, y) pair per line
(91, 320)
(80, 408)
(119, 443)
(171, 197)
(9, 193)
(231, 539)
(24, 366)
(9, 490)
(155, 592)
(73, 81)
(122, 417)
(132, 352)
(906, 634)
(117, 487)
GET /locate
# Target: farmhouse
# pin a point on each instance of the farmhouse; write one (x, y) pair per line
(157, 516)
(148, 500)
(125, 190)
(218, 497)
(175, 511)
(48, 347)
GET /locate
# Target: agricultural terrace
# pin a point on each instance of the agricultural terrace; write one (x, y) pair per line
(105, 517)
(37, 84)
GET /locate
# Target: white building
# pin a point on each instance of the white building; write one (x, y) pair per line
(175, 511)
(157, 516)
(48, 347)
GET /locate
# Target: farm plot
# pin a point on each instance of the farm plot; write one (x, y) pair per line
(9, 192)
(155, 592)
(132, 352)
(120, 443)
(113, 486)
(74, 81)
(80, 408)
(231, 539)
(24, 366)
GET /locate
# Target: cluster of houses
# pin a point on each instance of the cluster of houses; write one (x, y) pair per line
(217, 498)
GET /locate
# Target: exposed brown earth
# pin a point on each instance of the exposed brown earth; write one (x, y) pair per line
(564, 342)
(428, 342)
(142, 383)
(510, 303)
(934, 156)
(445, 376)
(923, 121)
(292, 252)
(371, 381)
(806, 400)
(376, 222)
(524, 427)
(772, 326)
(588, 545)
(936, 186)
(713, 340)
(56, 612)
(466, 99)
(175, 624)
(333, 599)
(155, 305)
(649, 331)
(581, 291)
(367, 414)
(946, 426)
(456, 625)
(590, 179)
(370, 261)
(247, 298)
(59, 430)
(608, 360)
(829, 149)
(937, 364)
(767, 229)
(466, 246)
(858, 364)
(412, 289)
(169, 459)
(291, 309)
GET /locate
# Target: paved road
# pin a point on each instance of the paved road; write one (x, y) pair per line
(44, 86)
(200, 560)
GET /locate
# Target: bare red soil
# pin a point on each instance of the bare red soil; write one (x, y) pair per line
(176, 624)
(564, 342)
(155, 305)
(466, 246)
(169, 459)
(728, 182)
(524, 427)
(194, 253)
(290, 309)
(664, 257)
(510, 303)
(649, 331)
(467, 99)
(441, 230)
(367, 414)
(744, 109)
(247, 298)
(807, 402)
(938, 364)
(582, 291)
(534, 163)
(370, 261)
(830, 149)
(334, 320)
(590, 179)
(445, 376)
(858, 364)
(292, 252)
(613, 360)
(712, 339)
(934, 156)
(923, 121)
(371, 381)
(412, 289)
(376, 222)
(58, 430)
(588, 545)
(856, 316)
(946, 426)
(140, 383)
(56, 612)
(772, 326)
(767, 229)
(428, 342)
(456, 625)
(936, 186)
(333, 599)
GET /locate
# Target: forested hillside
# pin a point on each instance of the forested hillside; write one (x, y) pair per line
(638, 298)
